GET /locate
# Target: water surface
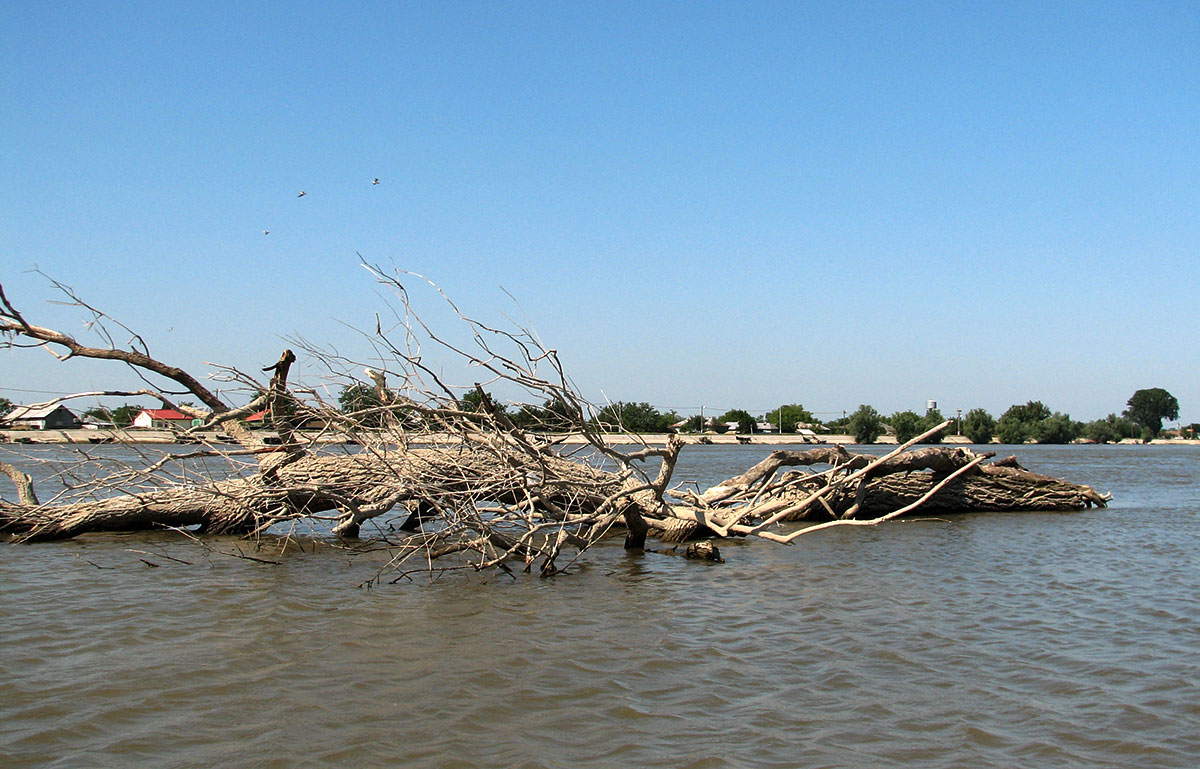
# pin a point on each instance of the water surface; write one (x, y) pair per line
(987, 640)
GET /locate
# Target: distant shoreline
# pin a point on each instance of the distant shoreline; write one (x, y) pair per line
(93, 437)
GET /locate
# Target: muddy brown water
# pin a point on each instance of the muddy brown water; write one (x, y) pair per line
(995, 640)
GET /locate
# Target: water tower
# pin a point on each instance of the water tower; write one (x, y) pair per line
(930, 406)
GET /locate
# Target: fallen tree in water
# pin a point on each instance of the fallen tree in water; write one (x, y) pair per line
(442, 475)
(862, 489)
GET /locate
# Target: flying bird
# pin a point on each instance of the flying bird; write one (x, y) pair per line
(302, 194)
(376, 180)
(266, 232)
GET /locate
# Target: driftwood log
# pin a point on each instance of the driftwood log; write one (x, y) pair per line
(441, 474)
(862, 489)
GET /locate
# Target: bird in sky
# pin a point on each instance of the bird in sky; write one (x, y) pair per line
(302, 194)
(266, 232)
(376, 180)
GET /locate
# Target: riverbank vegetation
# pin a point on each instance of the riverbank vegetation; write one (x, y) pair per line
(1031, 422)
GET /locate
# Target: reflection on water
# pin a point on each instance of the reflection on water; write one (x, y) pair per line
(992, 640)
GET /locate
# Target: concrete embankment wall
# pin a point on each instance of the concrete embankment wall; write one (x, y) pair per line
(166, 436)
(101, 436)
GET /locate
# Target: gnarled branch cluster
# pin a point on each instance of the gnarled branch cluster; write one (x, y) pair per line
(441, 472)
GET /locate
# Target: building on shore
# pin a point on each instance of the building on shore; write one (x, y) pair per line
(161, 419)
(91, 422)
(54, 417)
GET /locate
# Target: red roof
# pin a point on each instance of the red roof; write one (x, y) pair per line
(168, 414)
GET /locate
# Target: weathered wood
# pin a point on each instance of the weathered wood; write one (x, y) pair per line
(474, 487)
(937, 479)
(357, 488)
(24, 484)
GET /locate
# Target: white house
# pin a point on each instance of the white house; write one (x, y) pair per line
(161, 419)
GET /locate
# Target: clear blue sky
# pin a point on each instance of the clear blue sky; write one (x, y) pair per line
(720, 204)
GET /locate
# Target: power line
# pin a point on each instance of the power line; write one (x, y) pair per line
(36, 392)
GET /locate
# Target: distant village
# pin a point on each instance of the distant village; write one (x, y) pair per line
(59, 417)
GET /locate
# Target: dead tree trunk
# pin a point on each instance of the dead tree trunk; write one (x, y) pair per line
(346, 489)
(467, 482)
(862, 488)
(463, 481)
(992, 489)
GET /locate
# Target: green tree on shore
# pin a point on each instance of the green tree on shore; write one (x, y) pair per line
(745, 422)
(526, 416)
(866, 424)
(840, 425)
(1019, 423)
(472, 401)
(907, 425)
(1035, 422)
(1148, 408)
(1057, 428)
(121, 416)
(553, 416)
(634, 417)
(932, 419)
(362, 401)
(99, 413)
(787, 417)
(1110, 429)
(979, 426)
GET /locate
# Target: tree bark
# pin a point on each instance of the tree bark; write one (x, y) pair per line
(473, 484)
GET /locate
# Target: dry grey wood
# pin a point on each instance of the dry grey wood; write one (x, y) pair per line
(444, 486)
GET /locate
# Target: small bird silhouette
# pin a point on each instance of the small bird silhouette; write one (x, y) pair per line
(376, 180)
(302, 194)
(266, 232)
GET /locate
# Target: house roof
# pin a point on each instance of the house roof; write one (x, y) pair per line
(88, 419)
(34, 412)
(168, 414)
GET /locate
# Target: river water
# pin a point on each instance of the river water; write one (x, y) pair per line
(987, 640)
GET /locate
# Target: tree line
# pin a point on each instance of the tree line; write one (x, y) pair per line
(554, 415)
(1021, 423)
(1024, 423)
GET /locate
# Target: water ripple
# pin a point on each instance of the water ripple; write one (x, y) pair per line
(984, 641)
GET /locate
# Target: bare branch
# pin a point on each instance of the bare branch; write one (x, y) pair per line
(12, 322)
(446, 486)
